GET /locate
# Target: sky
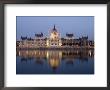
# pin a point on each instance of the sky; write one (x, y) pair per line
(78, 25)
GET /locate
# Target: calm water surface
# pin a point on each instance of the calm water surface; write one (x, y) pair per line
(54, 62)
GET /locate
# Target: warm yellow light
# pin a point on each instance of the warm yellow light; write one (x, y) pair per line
(47, 42)
(60, 54)
(47, 54)
(54, 35)
(54, 62)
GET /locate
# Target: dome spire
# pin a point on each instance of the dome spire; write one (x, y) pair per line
(54, 27)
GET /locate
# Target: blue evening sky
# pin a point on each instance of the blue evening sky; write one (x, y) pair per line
(78, 25)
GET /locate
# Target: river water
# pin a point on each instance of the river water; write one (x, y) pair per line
(54, 62)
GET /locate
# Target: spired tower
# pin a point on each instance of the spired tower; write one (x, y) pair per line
(54, 40)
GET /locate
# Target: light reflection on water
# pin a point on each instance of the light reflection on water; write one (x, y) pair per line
(55, 62)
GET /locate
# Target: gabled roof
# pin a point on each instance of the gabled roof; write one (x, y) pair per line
(69, 35)
(24, 38)
(39, 35)
(84, 37)
(30, 39)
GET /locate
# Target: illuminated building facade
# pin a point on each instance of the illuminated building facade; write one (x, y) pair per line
(54, 40)
(40, 40)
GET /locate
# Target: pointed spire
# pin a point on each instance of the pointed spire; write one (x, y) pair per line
(54, 26)
(54, 29)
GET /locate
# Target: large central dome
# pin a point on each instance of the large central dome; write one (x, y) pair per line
(54, 33)
(54, 38)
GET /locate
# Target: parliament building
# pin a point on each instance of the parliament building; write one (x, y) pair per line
(54, 40)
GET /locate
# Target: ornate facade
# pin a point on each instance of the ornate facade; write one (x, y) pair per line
(54, 40)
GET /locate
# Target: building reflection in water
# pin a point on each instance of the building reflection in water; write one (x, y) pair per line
(54, 58)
